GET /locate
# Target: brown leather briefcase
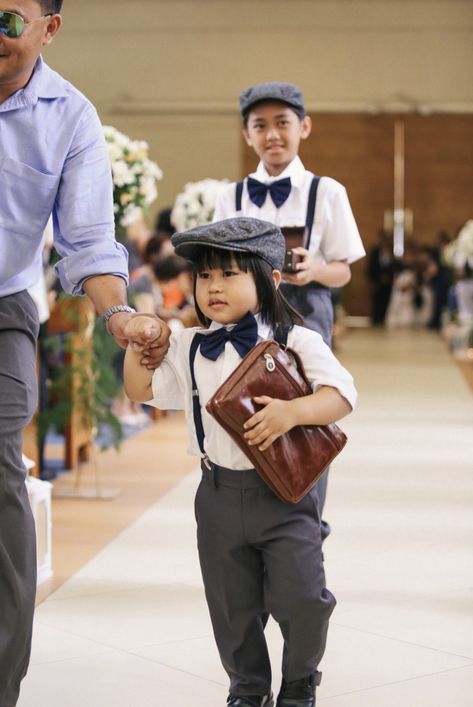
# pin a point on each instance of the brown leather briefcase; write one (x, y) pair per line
(296, 460)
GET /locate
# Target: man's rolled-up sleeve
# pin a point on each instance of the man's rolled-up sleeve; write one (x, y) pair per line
(84, 227)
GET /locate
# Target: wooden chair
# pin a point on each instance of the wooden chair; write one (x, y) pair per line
(75, 316)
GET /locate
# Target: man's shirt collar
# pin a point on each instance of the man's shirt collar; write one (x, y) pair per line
(44, 83)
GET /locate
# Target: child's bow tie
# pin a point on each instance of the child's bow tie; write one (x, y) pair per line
(243, 337)
(279, 191)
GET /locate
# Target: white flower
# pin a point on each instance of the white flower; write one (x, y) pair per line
(134, 176)
(195, 205)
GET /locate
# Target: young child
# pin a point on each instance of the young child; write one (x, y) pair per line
(257, 553)
(284, 192)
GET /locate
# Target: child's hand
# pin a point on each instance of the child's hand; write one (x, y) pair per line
(148, 335)
(268, 424)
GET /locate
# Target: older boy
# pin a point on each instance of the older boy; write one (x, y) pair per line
(283, 192)
(274, 123)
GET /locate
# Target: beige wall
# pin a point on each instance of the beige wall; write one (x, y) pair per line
(169, 71)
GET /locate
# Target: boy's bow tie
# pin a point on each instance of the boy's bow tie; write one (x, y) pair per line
(279, 191)
(243, 337)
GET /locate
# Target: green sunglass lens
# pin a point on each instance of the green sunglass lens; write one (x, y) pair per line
(11, 25)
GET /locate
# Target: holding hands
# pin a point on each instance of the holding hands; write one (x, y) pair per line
(146, 334)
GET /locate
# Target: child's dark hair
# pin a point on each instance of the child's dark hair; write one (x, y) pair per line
(171, 267)
(246, 113)
(275, 309)
(53, 6)
(154, 247)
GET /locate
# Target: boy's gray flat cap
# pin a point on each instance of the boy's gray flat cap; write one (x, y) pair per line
(274, 91)
(246, 235)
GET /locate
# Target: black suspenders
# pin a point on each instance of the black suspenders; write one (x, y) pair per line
(309, 221)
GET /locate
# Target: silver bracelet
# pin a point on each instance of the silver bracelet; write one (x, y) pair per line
(114, 309)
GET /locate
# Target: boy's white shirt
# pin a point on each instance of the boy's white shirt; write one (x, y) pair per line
(335, 235)
(172, 387)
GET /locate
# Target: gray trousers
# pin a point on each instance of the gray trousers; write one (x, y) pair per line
(259, 555)
(314, 303)
(18, 332)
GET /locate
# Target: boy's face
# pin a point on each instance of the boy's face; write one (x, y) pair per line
(18, 56)
(274, 131)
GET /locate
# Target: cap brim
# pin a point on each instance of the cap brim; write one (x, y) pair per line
(188, 249)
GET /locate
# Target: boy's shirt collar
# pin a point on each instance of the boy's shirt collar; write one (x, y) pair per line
(295, 170)
(264, 330)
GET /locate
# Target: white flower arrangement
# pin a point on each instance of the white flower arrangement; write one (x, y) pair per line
(195, 205)
(134, 175)
(459, 252)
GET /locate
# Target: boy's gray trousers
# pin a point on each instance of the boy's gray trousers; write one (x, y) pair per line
(261, 555)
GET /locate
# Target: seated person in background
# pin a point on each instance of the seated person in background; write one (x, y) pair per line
(163, 222)
(137, 236)
(401, 311)
(141, 293)
(173, 277)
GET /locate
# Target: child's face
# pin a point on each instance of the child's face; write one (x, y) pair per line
(274, 131)
(225, 296)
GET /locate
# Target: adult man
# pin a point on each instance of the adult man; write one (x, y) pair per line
(52, 160)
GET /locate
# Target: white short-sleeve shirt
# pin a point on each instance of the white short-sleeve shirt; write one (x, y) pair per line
(172, 387)
(335, 235)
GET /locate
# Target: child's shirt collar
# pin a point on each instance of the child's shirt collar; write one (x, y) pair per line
(295, 170)
(264, 330)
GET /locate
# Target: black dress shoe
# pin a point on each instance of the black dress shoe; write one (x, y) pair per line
(250, 700)
(300, 693)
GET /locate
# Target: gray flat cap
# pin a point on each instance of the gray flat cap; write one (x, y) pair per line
(274, 91)
(246, 235)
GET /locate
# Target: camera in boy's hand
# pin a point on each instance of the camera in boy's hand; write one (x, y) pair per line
(290, 261)
(295, 236)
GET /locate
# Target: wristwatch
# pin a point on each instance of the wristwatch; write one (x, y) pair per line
(114, 309)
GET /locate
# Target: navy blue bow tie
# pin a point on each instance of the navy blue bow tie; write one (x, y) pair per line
(243, 337)
(278, 190)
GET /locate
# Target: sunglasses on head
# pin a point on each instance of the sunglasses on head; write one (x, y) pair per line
(13, 25)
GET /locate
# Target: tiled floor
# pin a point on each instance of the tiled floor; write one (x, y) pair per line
(130, 629)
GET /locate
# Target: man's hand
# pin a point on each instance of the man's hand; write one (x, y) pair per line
(146, 333)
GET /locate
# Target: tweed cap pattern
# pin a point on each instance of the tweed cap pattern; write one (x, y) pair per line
(273, 91)
(245, 235)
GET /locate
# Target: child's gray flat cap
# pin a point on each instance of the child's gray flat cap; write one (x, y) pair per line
(274, 91)
(246, 235)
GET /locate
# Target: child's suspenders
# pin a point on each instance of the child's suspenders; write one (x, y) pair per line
(309, 221)
(280, 335)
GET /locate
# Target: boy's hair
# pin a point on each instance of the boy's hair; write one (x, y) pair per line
(275, 309)
(246, 114)
(154, 246)
(171, 267)
(53, 6)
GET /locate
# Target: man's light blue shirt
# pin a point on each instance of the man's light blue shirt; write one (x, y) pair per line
(53, 160)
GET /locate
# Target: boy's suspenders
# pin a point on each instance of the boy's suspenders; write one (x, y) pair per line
(309, 221)
(199, 428)
(280, 335)
(238, 193)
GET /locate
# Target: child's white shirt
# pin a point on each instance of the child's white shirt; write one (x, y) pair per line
(335, 235)
(172, 387)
